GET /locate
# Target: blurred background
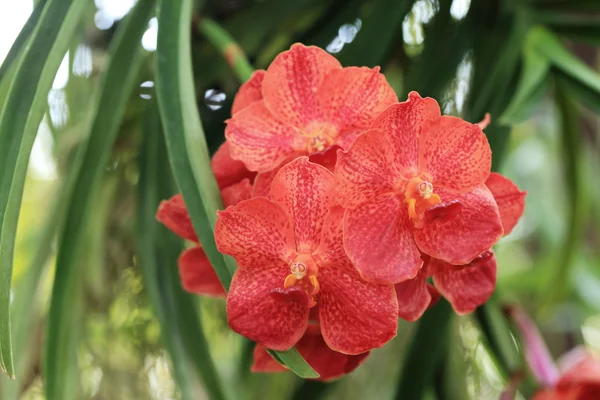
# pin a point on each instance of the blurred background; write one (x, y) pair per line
(532, 64)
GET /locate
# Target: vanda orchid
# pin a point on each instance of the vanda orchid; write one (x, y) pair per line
(305, 103)
(290, 255)
(396, 177)
(341, 204)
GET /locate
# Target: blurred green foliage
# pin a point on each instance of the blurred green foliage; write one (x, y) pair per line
(127, 330)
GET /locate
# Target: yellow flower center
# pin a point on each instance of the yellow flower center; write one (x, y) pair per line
(419, 196)
(319, 136)
(303, 273)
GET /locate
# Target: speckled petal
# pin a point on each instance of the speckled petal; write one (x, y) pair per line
(365, 170)
(329, 364)
(259, 140)
(252, 312)
(379, 241)
(356, 316)
(262, 183)
(227, 170)
(352, 97)
(403, 123)
(173, 214)
(249, 92)
(454, 154)
(197, 275)
(414, 297)
(256, 232)
(237, 192)
(465, 286)
(510, 200)
(475, 228)
(304, 189)
(290, 85)
(331, 247)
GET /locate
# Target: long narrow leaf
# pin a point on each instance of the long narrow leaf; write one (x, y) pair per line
(424, 352)
(188, 153)
(550, 46)
(180, 326)
(19, 120)
(186, 144)
(534, 72)
(118, 82)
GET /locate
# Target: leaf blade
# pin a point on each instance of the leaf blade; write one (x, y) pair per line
(180, 326)
(20, 116)
(117, 82)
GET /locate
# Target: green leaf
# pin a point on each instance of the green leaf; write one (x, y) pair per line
(380, 29)
(117, 83)
(294, 361)
(496, 333)
(19, 120)
(551, 47)
(586, 96)
(231, 52)
(531, 85)
(21, 39)
(313, 390)
(186, 144)
(576, 26)
(578, 214)
(424, 352)
(158, 252)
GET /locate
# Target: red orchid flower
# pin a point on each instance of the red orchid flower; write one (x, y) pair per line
(404, 181)
(307, 102)
(577, 376)
(196, 272)
(467, 286)
(290, 256)
(580, 381)
(327, 363)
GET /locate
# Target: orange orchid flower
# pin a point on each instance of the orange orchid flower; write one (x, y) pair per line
(290, 258)
(415, 183)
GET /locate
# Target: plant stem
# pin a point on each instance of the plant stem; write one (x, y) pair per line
(228, 47)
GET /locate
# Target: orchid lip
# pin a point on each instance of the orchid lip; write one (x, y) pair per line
(303, 275)
(419, 196)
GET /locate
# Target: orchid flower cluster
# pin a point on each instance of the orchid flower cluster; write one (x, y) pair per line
(346, 210)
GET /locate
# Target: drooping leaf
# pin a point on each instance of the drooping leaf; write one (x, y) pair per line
(550, 46)
(19, 120)
(424, 352)
(186, 145)
(587, 97)
(183, 132)
(158, 252)
(531, 85)
(117, 83)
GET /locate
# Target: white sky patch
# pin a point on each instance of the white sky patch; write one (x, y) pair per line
(41, 163)
(459, 9)
(150, 36)
(346, 34)
(82, 63)
(13, 15)
(62, 75)
(110, 11)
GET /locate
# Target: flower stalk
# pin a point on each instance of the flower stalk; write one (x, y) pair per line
(226, 45)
